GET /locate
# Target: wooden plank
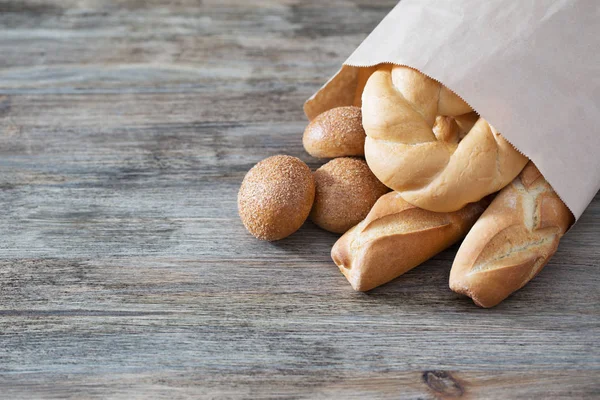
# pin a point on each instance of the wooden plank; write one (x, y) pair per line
(126, 128)
(274, 385)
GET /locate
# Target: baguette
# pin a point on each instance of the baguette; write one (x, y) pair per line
(396, 237)
(512, 241)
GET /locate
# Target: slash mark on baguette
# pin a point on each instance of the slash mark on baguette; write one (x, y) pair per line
(530, 203)
(514, 252)
(403, 222)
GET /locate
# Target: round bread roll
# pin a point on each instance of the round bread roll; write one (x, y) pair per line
(336, 133)
(346, 191)
(276, 197)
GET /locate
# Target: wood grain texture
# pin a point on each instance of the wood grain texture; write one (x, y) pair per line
(126, 127)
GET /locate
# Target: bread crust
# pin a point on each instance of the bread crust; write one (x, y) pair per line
(396, 237)
(346, 189)
(512, 241)
(276, 197)
(335, 133)
(426, 143)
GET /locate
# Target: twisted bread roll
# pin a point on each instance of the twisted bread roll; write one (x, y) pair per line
(426, 143)
(396, 237)
(512, 241)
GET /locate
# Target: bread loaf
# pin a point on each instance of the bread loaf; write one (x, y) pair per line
(345, 192)
(335, 133)
(396, 237)
(512, 241)
(276, 197)
(422, 142)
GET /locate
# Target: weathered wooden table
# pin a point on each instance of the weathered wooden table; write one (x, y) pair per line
(126, 128)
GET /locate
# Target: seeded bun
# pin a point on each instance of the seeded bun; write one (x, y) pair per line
(346, 192)
(276, 197)
(336, 133)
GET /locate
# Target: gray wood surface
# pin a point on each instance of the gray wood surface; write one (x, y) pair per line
(126, 127)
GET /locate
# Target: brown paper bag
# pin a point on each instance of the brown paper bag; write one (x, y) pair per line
(532, 69)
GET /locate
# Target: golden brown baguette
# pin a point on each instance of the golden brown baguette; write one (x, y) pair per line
(396, 237)
(512, 241)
